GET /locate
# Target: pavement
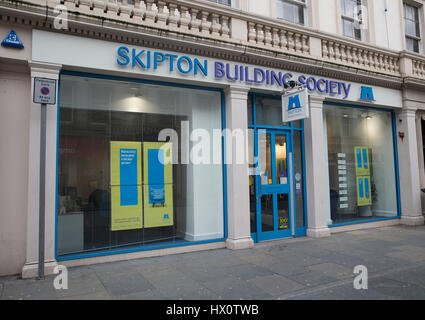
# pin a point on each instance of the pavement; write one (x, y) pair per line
(301, 269)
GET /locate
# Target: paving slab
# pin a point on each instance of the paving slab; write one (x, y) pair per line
(332, 270)
(394, 289)
(276, 284)
(29, 289)
(174, 284)
(247, 272)
(348, 292)
(150, 294)
(202, 273)
(406, 256)
(81, 281)
(126, 284)
(231, 288)
(311, 278)
(101, 295)
(418, 250)
(414, 276)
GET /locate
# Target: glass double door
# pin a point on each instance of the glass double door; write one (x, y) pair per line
(272, 185)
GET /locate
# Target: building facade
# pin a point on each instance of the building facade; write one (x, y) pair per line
(168, 135)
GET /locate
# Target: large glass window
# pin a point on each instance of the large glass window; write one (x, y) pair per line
(117, 185)
(349, 18)
(362, 178)
(412, 27)
(291, 10)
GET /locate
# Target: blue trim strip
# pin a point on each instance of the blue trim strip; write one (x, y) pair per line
(304, 177)
(57, 167)
(362, 221)
(396, 167)
(108, 252)
(224, 170)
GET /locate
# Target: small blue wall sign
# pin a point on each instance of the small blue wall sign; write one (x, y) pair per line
(12, 41)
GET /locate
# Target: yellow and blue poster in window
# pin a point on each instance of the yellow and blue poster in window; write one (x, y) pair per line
(363, 180)
(126, 186)
(361, 155)
(364, 197)
(158, 184)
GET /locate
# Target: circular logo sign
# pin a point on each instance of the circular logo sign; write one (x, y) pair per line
(44, 91)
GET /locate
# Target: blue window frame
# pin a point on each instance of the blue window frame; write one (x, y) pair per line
(135, 248)
(391, 113)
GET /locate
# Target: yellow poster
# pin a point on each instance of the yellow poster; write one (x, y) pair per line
(362, 161)
(363, 180)
(158, 184)
(364, 197)
(126, 186)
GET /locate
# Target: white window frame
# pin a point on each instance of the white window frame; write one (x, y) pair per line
(231, 3)
(304, 5)
(351, 19)
(409, 36)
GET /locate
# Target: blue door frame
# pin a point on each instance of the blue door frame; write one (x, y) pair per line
(276, 190)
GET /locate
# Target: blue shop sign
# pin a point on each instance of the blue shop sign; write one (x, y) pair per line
(184, 65)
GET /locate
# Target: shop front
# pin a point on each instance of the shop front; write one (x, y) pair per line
(147, 151)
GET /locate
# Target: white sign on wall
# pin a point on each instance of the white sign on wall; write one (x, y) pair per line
(295, 106)
(44, 91)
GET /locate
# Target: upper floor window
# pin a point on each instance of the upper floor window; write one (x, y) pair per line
(412, 27)
(291, 10)
(350, 18)
(225, 2)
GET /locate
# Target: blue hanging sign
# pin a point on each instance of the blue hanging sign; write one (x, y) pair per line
(295, 106)
(12, 41)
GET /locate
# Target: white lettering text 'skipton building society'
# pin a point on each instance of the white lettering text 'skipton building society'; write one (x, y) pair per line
(182, 125)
